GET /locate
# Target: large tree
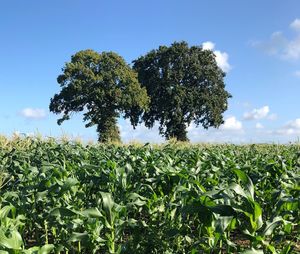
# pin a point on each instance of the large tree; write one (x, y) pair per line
(185, 85)
(103, 87)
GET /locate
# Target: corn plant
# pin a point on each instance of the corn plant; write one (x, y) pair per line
(67, 197)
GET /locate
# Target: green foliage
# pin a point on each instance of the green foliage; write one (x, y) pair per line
(102, 86)
(185, 85)
(62, 197)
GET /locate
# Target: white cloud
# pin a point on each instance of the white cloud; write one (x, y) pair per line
(291, 128)
(297, 73)
(256, 114)
(294, 124)
(292, 50)
(279, 45)
(221, 57)
(230, 131)
(274, 45)
(295, 25)
(33, 113)
(231, 123)
(208, 45)
(222, 60)
(272, 117)
(140, 133)
(259, 126)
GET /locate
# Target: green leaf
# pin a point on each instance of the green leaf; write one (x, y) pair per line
(222, 223)
(271, 248)
(108, 202)
(238, 190)
(286, 249)
(247, 181)
(78, 237)
(63, 212)
(252, 251)
(257, 210)
(108, 205)
(32, 250)
(46, 249)
(223, 210)
(13, 242)
(92, 213)
(41, 195)
(69, 182)
(136, 199)
(5, 211)
(272, 225)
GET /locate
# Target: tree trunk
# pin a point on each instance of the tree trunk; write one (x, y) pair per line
(179, 133)
(108, 131)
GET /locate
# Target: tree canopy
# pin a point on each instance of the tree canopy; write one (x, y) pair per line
(185, 85)
(103, 87)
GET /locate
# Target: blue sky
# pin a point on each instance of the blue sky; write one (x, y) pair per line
(256, 42)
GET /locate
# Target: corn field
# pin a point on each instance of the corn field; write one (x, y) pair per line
(66, 197)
